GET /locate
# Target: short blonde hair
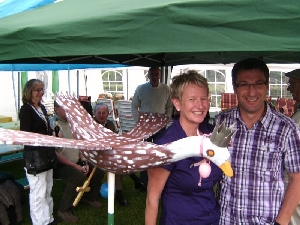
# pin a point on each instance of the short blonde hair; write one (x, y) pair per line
(189, 77)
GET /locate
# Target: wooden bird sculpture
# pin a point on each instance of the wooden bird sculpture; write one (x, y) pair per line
(126, 153)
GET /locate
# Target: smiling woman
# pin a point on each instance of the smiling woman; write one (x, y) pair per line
(39, 161)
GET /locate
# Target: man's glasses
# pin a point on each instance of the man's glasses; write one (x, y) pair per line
(256, 86)
(291, 83)
(39, 90)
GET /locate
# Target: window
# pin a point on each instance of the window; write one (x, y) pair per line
(216, 84)
(112, 81)
(278, 85)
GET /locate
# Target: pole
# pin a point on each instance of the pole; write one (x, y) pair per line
(13, 81)
(19, 96)
(111, 197)
(77, 74)
(69, 79)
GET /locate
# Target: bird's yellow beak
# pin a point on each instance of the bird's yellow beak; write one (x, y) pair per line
(227, 169)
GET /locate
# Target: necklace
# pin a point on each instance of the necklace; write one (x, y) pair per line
(204, 168)
(41, 114)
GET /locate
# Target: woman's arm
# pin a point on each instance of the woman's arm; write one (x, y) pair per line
(26, 119)
(157, 178)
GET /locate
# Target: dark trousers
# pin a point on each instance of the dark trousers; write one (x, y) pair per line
(75, 178)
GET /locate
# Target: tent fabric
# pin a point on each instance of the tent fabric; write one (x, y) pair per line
(54, 66)
(10, 7)
(157, 32)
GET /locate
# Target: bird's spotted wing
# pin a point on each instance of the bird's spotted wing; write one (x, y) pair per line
(28, 138)
(78, 118)
(148, 124)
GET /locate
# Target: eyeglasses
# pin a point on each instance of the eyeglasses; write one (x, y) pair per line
(293, 82)
(256, 86)
(39, 90)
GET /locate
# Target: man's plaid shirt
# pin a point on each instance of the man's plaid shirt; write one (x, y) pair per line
(258, 156)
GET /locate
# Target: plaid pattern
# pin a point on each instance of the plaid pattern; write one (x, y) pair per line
(285, 106)
(229, 100)
(255, 193)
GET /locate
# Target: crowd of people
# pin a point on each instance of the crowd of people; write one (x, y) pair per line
(265, 154)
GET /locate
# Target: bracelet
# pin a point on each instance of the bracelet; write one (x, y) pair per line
(276, 223)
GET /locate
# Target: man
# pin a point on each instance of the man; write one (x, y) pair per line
(294, 88)
(101, 113)
(73, 169)
(265, 143)
(151, 97)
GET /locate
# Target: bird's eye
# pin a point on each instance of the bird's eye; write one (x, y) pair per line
(210, 152)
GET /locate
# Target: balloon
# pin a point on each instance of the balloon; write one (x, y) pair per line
(204, 170)
(104, 190)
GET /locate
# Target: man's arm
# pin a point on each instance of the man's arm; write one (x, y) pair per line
(135, 105)
(63, 160)
(291, 199)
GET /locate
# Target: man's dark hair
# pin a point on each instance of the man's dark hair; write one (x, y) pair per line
(249, 64)
(153, 68)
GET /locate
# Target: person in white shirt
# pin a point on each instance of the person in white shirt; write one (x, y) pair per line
(153, 97)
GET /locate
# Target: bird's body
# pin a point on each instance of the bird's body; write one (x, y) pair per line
(126, 153)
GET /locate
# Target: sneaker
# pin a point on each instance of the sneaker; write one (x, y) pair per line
(67, 216)
(93, 204)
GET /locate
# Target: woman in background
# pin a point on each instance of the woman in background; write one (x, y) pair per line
(38, 161)
(183, 200)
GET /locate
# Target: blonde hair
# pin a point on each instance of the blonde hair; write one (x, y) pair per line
(189, 77)
(28, 88)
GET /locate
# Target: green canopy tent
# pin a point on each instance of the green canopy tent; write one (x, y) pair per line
(153, 33)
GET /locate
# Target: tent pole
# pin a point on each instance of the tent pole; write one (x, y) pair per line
(69, 79)
(163, 73)
(127, 86)
(85, 82)
(111, 198)
(19, 93)
(14, 88)
(77, 74)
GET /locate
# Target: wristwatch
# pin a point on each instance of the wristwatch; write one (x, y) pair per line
(276, 223)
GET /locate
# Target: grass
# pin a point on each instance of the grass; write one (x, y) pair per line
(133, 214)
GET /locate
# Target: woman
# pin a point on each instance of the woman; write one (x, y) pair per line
(39, 161)
(183, 200)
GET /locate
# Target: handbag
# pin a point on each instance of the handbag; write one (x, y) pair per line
(40, 160)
